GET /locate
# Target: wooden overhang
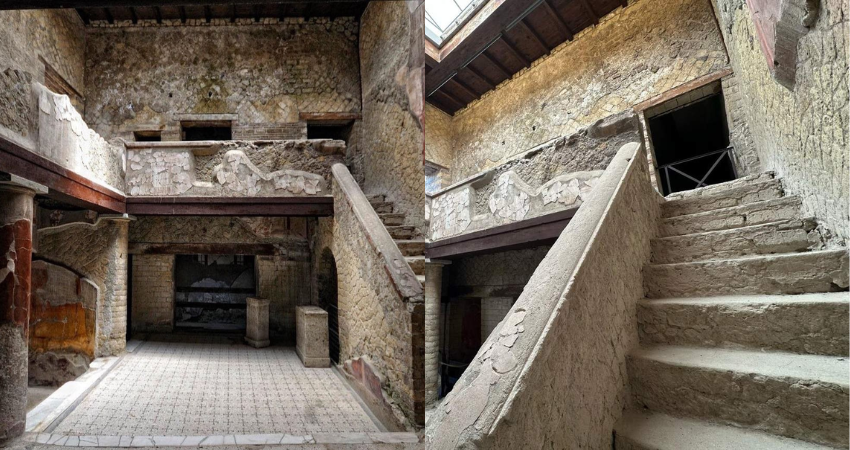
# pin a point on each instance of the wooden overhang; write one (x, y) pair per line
(511, 38)
(541, 230)
(207, 10)
(63, 185)
(231, 206)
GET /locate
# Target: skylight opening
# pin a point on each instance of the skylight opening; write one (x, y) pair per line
(444, 17)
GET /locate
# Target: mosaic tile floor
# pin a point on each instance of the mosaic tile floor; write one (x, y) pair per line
(194, 385)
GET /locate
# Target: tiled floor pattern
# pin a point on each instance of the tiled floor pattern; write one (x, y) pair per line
(196, 385)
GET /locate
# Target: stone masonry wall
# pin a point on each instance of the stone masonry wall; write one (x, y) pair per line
(57, 35)
(800, 133)
(635, 53)
(390, 137)
(153, 293)
(439, 145)
(147, 77)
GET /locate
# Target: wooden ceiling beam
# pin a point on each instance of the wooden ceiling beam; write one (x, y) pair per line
(441, 92)
(535, 36)
(60, 4)
(590, 11)
(464, 87)
(515, 51)
(480, 76)
(496, 64)
(559, 21)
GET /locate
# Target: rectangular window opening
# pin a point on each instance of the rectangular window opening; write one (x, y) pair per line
(329, 131)
(207, 131)
(147, 136)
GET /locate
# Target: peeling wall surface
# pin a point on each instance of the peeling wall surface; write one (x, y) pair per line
(57, 35)
(236, 168)
(98, 252)
(635, 53)
(553, 177)
(576, 315)
(145, 77)
(282, 278)
(390, 138)
(800, 133)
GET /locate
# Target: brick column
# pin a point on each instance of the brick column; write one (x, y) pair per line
(433, 297)
(112, 307)
(16, 211)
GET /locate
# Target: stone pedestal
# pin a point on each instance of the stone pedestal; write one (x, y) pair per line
(16, 211)
(433, 298)
(311, 336)
(257, 332)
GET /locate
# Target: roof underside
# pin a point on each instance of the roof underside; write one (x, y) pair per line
(509, 40)
(256, 11)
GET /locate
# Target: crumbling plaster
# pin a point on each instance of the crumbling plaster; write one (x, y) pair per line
(141, 77)
(800, 133)
(390, 141)
(635, 53)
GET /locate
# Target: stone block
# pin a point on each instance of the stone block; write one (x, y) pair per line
(257, 328)
(311, 336)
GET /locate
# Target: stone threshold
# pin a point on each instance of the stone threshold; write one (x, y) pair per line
(220, 440)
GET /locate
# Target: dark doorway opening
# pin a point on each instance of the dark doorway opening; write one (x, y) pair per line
(211, 291)
(328, 300)
(207, 131)
(691, 142)
(328, 131)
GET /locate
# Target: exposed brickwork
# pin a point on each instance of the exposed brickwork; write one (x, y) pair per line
(740, 137)
(153, 293)
(801, 134)
(633, 54)
(57, 35)
(140, 77)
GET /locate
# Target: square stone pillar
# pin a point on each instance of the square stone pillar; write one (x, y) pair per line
(311, 336)
(257, 329)
(433, 299)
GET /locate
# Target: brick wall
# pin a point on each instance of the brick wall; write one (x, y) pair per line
(153, 293)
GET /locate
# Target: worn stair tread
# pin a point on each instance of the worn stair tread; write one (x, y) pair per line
(655, 431)
(732, 217)
(782, 236)
(817, 368)
(735, 196)
(807, 324)
(411, 247)
(376, 198)
(392, 219)
(786, 273)
(714, 189)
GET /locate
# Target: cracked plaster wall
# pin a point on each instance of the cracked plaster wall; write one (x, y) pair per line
(390, 141)
(282, 168)
(563, 346)
(140, 77)
(800, 133)
(634, 53)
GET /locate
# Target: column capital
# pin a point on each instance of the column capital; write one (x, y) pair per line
(11, 182)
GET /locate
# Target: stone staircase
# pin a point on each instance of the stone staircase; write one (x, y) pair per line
(412, 249)
(744, 328)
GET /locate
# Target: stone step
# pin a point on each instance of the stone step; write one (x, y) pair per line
(808, 324)
(785, 236)
(392, 219)
(401, 232)
(382, 207)
(797, 396)
(379, 198)
(715, 189)
(736, 196)
(790, 273)
(732, 217)
(415, 247)
(643, 430)
(417, 263)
